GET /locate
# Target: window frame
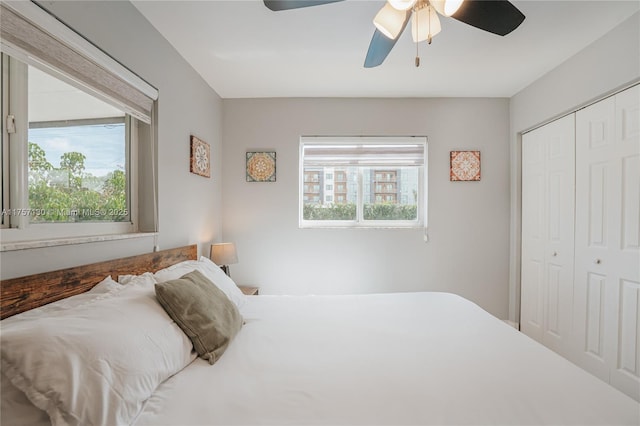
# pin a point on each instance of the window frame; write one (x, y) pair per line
(17, 227)
(130, 145)
(4, 140)
(359, 222)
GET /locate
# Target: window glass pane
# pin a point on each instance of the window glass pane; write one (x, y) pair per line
(334, 201)
(77, 154)
(390, 193)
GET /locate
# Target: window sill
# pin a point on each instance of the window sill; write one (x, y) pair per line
(54, 242)
(338, 225)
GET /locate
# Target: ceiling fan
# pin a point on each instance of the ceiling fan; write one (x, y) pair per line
(495, 16)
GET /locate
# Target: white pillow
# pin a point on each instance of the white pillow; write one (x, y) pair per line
(15, 405)
(209, 270)
(222, 280)
(103, 286)
(16, 409)
(147, 277)
(97, 363)
(175, 271)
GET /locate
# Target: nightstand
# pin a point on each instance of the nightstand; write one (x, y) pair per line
(249, 291)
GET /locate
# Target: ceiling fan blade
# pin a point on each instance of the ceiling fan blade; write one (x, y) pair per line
(381, 45)
(495, 16)
(277, 5)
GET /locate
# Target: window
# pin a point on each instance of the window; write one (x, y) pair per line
(379, 181)
(73, 120)
(78, 155)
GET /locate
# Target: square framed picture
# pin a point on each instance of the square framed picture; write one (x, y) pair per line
(464, 166)
(261, 166)
(200, 159)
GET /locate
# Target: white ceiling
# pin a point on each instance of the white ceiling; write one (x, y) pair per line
(244, 50)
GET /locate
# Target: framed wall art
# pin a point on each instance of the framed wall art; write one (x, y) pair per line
(261, 166)
(464, 166)
(200, 159)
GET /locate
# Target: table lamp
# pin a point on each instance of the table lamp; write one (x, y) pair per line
(223, 255)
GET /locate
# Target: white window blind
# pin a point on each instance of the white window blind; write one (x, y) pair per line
(363, 152)
(91, 69)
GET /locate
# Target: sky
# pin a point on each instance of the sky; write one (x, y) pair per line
(103, 145)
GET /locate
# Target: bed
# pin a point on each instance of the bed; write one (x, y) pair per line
(379, 359)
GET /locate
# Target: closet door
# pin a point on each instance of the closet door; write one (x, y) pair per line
(547, 233)
(607, 265)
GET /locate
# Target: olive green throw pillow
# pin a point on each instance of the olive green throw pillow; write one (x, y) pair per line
(202, 311)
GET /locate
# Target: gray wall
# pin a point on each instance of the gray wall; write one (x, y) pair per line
(189, 205)
(607, 65)
(468, 248)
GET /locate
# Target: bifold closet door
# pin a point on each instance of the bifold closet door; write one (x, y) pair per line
(607, 263)
(547, 233)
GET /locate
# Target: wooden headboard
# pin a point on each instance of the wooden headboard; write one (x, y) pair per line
(24, 293)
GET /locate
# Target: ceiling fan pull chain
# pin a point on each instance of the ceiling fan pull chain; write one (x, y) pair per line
(417, 61)
(429, 37)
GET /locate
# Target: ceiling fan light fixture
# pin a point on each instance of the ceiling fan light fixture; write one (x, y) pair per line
(402, 4)
(424, 24)
(389, 21)
(446, 7)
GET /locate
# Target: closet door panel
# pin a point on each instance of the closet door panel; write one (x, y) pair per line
(594, 319)
(630, 205)
(595, 132)
(630, 292)
(625, 330)
(533, 235)
(560, 136)
(547, 233)
(607, 262)
(554, 303)
(599, 177)
(628, 144)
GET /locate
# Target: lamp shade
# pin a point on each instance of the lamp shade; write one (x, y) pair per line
(224, 254)
(402, 4)
(446, 7)
(424, 24)
(389, 21)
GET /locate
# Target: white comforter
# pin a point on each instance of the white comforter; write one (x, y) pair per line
(412, 358)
